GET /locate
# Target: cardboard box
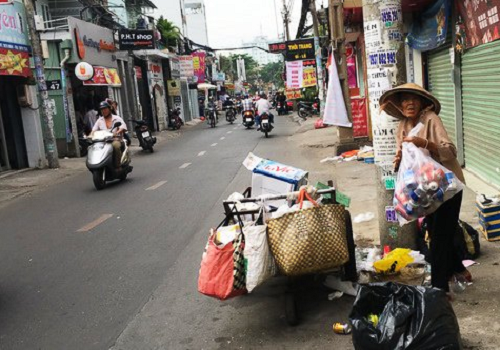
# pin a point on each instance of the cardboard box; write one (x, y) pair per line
(489, 219)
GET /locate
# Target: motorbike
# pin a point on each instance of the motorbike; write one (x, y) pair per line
(281, 108)
(239, 107)
(230, 114)
(146, 140)
(307, 109)
(211, 114)
(174, 119)
(265, 124)
(248, 119)
(100, 158)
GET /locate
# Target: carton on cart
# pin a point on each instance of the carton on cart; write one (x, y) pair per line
(270, 177)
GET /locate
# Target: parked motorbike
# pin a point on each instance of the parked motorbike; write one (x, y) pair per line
(308, 109)
(100, 158)
(248, 119)
(174, 119)
(265, 124)
(230, 114)
(146, 140)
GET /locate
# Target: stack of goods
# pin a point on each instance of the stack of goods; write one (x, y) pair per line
(489, 217)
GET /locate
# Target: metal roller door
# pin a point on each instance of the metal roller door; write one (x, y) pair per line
(441, 85)
(481, 110)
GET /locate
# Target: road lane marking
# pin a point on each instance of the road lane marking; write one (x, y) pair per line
(213, 144)
(202, 153)
(229, 132)
(222, 138)
(235, 128)
(95, 223)
(184, 166)
(156, 186)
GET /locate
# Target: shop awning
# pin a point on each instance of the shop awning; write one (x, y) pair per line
(154, 53)
(104, 77)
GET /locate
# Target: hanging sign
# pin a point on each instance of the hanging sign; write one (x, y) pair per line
(84, 71)
(294, 74)
(199, 66)
(186, 66)
(481, 20)
(293, 94)
(298, 50)
(429, 31)
(277, 48)
(359, 118)
(104, 77)
(138, 72)
(134, 39)
(309, 73)
(174, 87)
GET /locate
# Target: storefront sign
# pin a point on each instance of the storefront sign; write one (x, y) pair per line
(294, 74)
(174, 87)
(13, 27)
(104, 77)
(277, 48)
(299, 50)
(186, 66)
(219, 76)
(481, 19)
(382, 57)
(429, 31)
(293, 94)
(13, 62)
(84, 71)
(199, 66)
(373, 34)
(134, 39)
(92, 44)
(359, 118)
(138, 72)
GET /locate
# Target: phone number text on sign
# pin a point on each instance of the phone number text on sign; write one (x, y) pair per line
(382, 57)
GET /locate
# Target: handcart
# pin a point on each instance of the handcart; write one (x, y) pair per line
(348, 270)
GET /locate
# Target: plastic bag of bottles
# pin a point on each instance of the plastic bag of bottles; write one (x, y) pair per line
(422, 184)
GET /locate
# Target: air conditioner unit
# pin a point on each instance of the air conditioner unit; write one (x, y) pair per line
(39, 23)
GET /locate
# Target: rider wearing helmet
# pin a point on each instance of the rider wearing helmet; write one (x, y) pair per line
(106, 122)
(247, 104)
(263, 106)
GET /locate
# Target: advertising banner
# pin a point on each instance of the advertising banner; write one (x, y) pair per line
(299, 50)
(13, 62)
(277, 48)
(199, 66)
(104, 77)
(186, 66)
(174, 87)
(293, 94)
(135, 39)
(481, 21)
(359, 117)
(294, 74)
(309, 73)
(430, 30)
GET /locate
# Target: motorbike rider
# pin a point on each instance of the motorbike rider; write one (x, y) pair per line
(247, 104)
(263, 106)
(281, 98)
(228, 102)
(106, 122)
(212, 104)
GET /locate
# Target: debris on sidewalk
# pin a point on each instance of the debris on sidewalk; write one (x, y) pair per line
(342, 328)
(364, 217)
(347, 287)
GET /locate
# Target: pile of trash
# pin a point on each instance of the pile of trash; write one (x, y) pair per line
(366, 154)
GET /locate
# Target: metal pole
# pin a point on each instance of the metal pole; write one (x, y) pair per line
(285, 21)
(47, 115)
(317, 49)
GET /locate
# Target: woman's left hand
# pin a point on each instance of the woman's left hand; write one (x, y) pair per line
(417, 141)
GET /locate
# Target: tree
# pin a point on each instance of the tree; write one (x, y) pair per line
(272, 73)
(170, 33)
(228, 66)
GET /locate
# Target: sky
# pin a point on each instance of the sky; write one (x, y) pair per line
(231, 22)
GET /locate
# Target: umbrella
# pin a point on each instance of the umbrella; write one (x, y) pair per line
(205, 86)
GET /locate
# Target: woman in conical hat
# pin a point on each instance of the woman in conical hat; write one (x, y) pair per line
(412, 104)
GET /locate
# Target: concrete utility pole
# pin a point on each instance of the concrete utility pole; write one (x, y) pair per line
(285, 21)
(386, 63)
(336, 14)
(317, 49)
(47, 116)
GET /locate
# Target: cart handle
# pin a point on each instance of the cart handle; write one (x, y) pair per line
(273, 197)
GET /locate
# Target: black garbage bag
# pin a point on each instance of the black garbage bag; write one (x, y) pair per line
(410, 318)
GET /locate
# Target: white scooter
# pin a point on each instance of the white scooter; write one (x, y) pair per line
(100, 160)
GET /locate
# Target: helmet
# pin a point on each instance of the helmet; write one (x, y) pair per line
(246, 95)
(104, 104)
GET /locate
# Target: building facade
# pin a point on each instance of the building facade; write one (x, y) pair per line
(261, 56)
(196, 21)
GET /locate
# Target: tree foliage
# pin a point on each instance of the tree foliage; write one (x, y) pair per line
(170, 33)
(272, 73)
(228, 66)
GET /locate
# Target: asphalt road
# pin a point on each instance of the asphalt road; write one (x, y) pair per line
(128, 280)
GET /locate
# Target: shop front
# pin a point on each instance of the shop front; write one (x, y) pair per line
(21, 143)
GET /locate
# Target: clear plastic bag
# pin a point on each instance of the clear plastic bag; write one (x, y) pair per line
(422, 183)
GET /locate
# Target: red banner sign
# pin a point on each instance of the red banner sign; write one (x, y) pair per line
(359, 120)
(104, 77)
(481, 20)
(13, 62)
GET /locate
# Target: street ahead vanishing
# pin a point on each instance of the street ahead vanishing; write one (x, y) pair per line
(87, 269)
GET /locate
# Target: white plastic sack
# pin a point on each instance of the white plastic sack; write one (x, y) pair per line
(259, 261)
(422, 184)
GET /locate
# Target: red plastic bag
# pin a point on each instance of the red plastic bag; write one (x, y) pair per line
(319, 124)
(222, 271)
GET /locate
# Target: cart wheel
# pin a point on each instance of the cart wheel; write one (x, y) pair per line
(350, 272)
(291, 309)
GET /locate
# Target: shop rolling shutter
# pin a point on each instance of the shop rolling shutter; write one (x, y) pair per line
(185, 101)
(481, 110)
(441, 86)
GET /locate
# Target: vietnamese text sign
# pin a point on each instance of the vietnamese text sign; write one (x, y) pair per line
(293, 94)
(384, 143)
(134, 39)
(104, 77)
(14, 28)
(309, 73)
(294, 74)
(359, 118)
(481, 20)
(277, 47)
(186, 66)
(199, 66)
(373, 34)
(298, 50)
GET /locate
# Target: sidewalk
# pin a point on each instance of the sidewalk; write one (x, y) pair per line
(20, 183)
(477, 307)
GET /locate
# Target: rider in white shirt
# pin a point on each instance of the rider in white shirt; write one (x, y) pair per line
(263, 106)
